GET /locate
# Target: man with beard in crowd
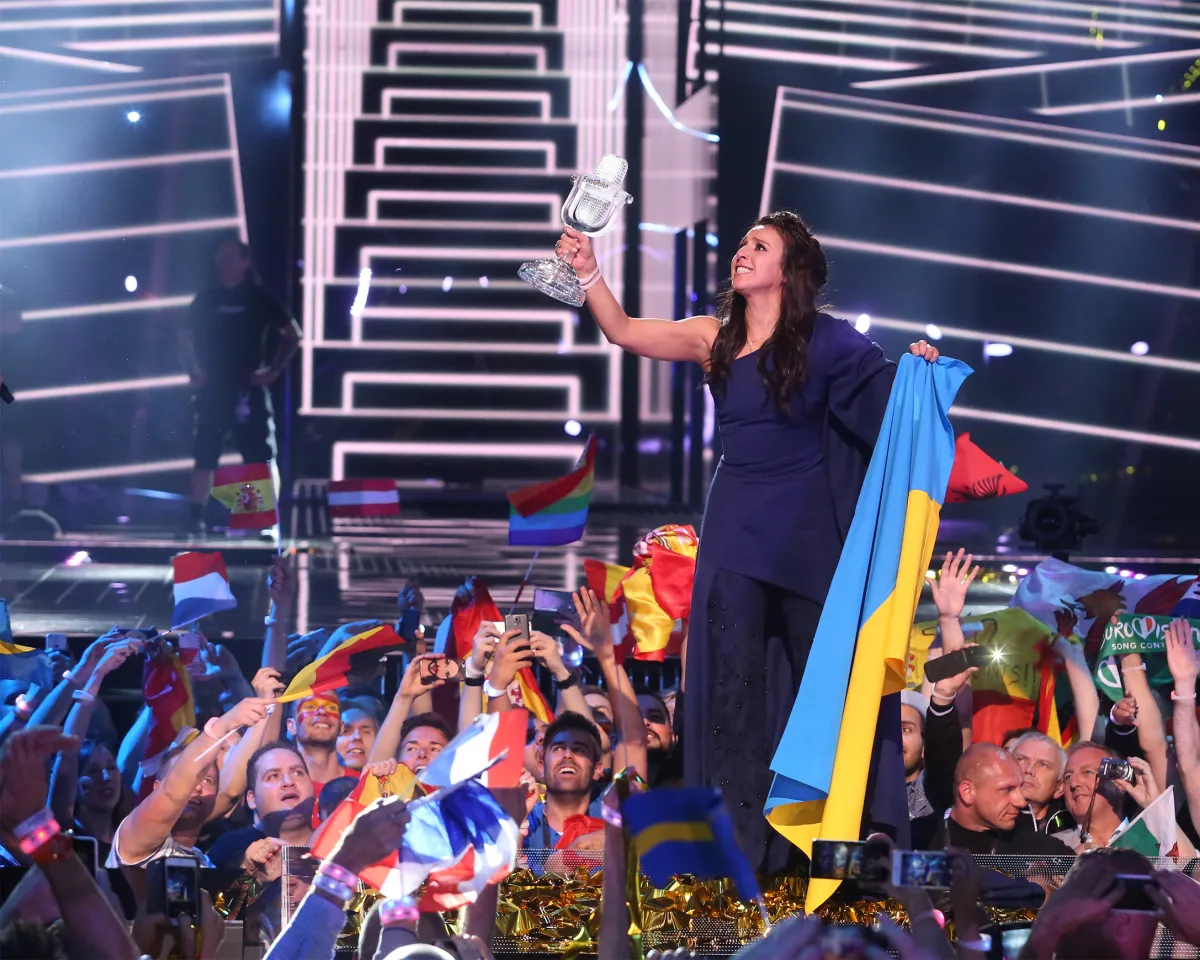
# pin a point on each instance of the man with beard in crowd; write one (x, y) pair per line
(359, 727)
(281, 797)
(571, 755)
(1043, 763)
(665, 761)
(315, 729)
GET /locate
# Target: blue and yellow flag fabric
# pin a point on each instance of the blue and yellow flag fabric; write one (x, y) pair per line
(21, 663)
(687, 830)
(859, 651)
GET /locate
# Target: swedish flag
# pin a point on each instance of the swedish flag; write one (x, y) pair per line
(858, 653)
(687, 830)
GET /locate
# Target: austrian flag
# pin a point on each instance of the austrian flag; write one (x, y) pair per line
(363, 498)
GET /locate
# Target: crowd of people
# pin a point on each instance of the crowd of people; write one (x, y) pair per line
(256, 776)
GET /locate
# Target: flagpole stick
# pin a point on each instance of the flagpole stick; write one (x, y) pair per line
(270, 709)
(525, 580)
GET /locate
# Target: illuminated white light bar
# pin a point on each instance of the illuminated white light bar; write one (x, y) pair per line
(116, 233)
(1162, 100)
(62, 60)
(133, 163)
(1048, 346)
(989, 73)
(178, 43)
(1070, 426)
(874, 40)
(110, 101)
(812, 59)
(504, 254)
(541, 98)
(536, 51)
(995, 128)
(553, 201)
(533, 9)
(97, 309)
(52, 93)
(1147, 9)
(1003, 266)
(360, 298)
(565, 452)
(567, 383)
(929, 26)
(966, 193)
(110, 386)
(122, 470)
(139, 20)
(549, 147)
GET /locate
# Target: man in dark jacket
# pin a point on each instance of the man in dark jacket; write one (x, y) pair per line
(1043, 763)
(987, 802)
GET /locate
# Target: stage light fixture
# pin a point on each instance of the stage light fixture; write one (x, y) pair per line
(933, 331)
(131, 284)
(483, 282)
(572, 428)
(133, 116)
(447, 284)
(997, 349)
(1140, 349)
(863, 323)
(1055, 524)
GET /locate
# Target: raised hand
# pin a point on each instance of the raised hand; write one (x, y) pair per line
(1181, 656)
(266, 683)
(263, 859)
(950, 589)
(486, 638)
(946, 690)
(1125, 712)
(425, 672)
(246, 713)
(281, 583)
(513, 653)
(374, 833)
(23, 784)
(545, 648)
(113, 657)
(575, 248)
(381, 768)
(1146, 790)
(925, 350)
(1178, 895)
(594, 619)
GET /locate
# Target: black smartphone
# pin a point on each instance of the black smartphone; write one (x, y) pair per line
(87, 850)
(955, 663)
(517, 621)
(921, 868)
(850, 860)
(408, 624)
(173, 886)
(1134, 898)
(552, 609)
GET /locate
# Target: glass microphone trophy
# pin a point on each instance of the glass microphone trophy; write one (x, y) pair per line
(590, 208)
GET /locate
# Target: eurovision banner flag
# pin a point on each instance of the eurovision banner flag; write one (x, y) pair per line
(363, 498)
(859, 651)
(201, 587)
(553, 513)
(249, 493)
(1142, 633)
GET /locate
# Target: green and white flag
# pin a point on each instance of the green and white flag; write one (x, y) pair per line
(1153, 833)
(1141, 633)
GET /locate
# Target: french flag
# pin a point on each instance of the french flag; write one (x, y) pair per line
(492, 748)
(363, 498)
(201, 587)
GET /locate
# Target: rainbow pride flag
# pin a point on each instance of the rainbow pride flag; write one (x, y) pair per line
(553, 513)
(858, 654)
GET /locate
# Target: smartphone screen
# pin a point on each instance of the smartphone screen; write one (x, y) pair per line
(1134, 898)
(88, 851)
(57, 641)
(552, 609)
(920, 868)
(846, 860)
(181, 877)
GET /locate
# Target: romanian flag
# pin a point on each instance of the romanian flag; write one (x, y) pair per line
(553, 513)
(468, 610)
(858, 653)
(168, 693)
(249, 493)
(363, 498)
(687, 830)
(332, 670)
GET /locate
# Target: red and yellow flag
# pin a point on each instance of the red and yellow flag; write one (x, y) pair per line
(249, 493)
(332, 670)
(168, 693)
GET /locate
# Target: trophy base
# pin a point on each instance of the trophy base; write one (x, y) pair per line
(555, 279)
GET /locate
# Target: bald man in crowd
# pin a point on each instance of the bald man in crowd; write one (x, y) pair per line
(988, 799)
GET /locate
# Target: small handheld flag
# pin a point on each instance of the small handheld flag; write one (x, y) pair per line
(18, 662)
(553, 513)
(687, 830)
(201, 587)
(363, 498)
(476, 752)
(332, 670)
(249, 493)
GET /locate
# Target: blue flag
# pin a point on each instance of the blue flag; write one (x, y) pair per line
(687, 830)
(21, 663)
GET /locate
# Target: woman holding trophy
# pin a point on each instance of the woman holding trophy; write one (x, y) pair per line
(799, 397)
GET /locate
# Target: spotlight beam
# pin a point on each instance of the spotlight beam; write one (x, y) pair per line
(1083, 429)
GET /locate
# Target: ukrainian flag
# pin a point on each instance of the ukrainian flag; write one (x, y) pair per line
(687, 830)
(858, 654)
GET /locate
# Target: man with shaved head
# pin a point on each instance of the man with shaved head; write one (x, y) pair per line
(988, 798)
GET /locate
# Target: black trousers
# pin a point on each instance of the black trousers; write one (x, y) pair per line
(245, 412)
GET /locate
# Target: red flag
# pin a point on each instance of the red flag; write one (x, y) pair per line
(168, 693)
(976, 476)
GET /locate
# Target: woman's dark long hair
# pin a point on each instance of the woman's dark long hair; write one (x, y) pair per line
(783, 359)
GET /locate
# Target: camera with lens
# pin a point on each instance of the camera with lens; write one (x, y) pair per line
(1113, 769)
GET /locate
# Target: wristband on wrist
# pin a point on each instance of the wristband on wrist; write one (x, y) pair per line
(208, 731)
(592, 279)
(571, 681)
(57, 848)
(982, 945)
(36, 830)
(471, 681)
(339, 891)
(72, 680)
(83, 696)
(470, 671)
(402, 910)
(1134, 666)
(269, 620)
(1182, 696)
(335, 871)
(492, 691)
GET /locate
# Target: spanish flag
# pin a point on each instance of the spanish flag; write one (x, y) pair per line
(332, 670)
(249, 493)
(859, 651)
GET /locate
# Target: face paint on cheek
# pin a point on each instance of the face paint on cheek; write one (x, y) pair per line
(331, 708)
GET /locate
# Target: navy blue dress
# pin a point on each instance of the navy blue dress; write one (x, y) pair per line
(780, 504)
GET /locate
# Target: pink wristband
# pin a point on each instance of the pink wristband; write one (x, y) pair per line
(403, 910)
(335, 871)
(208, 732)
(37, 830)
